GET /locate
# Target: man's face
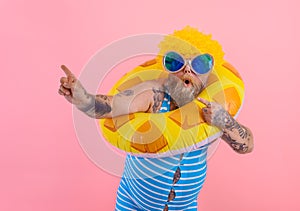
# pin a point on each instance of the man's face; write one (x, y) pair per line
(185, 85)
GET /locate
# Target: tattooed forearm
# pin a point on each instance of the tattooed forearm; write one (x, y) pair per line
(227, 122)
(236, 146)
(97, 107)
(237, 136)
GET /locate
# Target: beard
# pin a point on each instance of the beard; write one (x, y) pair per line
(179, 92)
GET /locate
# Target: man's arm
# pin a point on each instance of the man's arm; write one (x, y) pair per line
(140, 98)
(239, 137)
(137, 99)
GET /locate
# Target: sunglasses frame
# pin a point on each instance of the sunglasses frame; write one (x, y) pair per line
(187, 61)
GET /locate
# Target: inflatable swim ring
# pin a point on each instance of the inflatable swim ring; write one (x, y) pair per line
(183, 129)
(177, 131)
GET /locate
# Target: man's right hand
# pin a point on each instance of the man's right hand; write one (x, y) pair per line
(72, 90)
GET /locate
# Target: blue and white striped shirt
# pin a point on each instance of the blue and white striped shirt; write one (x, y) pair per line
(169, 183)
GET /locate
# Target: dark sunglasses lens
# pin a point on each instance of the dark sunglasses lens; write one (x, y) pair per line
(202, 63)
(173, 61)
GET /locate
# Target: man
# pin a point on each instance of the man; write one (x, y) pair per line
(171, 183)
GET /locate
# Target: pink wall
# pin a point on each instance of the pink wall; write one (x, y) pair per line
(42, 164)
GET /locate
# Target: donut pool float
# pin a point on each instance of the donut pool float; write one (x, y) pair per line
(178, 131)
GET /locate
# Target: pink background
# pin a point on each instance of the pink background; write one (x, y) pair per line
(42, 165)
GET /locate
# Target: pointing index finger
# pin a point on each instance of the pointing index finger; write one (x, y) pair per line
(204, 101)
(67, 71)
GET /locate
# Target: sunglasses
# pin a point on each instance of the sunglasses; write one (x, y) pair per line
(200, 64)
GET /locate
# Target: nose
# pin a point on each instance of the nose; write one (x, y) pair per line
(187, 69)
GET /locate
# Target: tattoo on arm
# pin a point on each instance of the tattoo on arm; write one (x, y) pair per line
(99, 106)
(102, 105)
(158, 96)
(236, 146)
(230, 124)
(237, 136)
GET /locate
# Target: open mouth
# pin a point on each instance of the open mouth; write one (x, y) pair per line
(187, 83)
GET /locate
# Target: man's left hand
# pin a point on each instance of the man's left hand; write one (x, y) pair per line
(214, 114)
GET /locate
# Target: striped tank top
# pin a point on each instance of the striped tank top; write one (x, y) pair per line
(169, 183)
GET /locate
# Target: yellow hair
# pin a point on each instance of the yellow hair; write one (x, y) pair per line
(189, 42)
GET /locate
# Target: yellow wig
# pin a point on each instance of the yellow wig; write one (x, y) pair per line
(190, 42)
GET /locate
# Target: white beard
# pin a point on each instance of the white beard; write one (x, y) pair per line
(181, 94)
